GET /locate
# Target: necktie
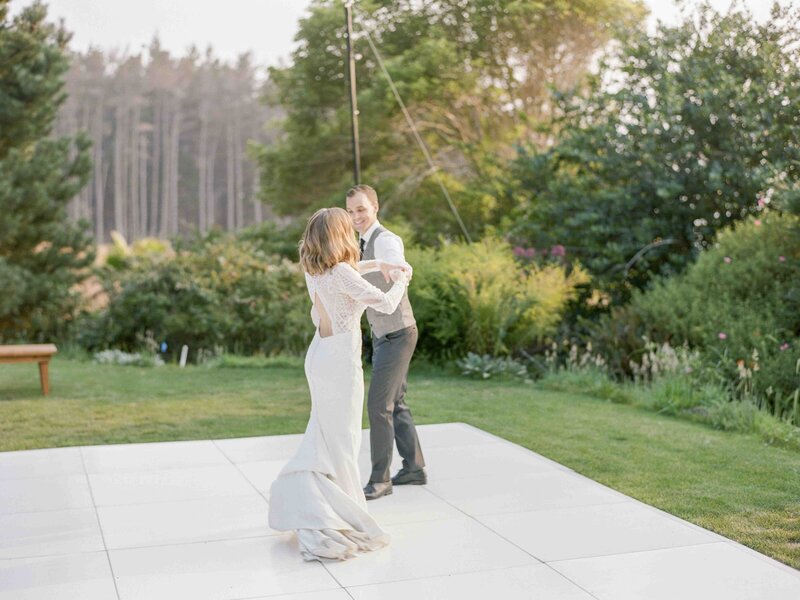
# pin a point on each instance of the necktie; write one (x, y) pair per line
(361, 244)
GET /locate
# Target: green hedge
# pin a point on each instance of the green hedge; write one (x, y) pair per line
(228, 295)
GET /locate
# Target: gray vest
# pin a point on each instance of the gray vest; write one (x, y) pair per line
(401, 318)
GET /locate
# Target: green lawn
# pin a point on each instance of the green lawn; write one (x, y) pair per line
(730, 483)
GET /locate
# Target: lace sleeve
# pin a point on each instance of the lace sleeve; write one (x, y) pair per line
(368, 266)
(363, 291)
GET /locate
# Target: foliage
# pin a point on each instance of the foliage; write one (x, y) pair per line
(133, 359)
(485, 366)
(477, 298)
(269, 237)
(656, 360)
(228, 295)
(274, 239)
(222, 292)
(119, 254)
(739, 304)
(474, 76)
(685, 132)
(42, 255)
(584, 370)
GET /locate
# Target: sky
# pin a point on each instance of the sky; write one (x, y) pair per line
(264, 27)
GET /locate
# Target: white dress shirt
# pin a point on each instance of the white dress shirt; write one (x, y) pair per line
(388, 247)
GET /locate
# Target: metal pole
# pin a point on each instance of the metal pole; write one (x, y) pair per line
(348, 14)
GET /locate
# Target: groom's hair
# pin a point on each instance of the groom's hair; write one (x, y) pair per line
(368, 191)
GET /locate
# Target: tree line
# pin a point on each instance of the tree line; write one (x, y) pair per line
(169, 141)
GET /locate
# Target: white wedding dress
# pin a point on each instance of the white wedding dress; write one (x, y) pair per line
(318, 494)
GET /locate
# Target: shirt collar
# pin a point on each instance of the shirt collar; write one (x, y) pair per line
(370, 231)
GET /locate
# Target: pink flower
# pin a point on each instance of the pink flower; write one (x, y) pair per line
(784, 346)
(722, 335)
(757, 222)
(761, 202)
(782, 258)
(530, 252)
(519, 251)
(558, 250)
(727, 260)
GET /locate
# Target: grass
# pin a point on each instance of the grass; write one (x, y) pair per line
(731, 483)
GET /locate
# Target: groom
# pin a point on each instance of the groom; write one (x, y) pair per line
(394, 338)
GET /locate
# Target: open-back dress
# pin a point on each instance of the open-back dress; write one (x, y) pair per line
(318, 494)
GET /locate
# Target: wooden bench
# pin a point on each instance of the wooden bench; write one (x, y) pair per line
(40, 353)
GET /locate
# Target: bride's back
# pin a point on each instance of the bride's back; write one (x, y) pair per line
(333, 309)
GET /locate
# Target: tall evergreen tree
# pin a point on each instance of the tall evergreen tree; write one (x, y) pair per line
(42, 255)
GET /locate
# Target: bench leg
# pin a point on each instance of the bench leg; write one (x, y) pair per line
(44, 378)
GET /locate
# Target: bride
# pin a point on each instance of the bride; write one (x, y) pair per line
(318, 493)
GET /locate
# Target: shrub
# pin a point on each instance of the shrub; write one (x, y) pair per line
(486, 366)
(737, 305)
(228, 295)
(477, 298)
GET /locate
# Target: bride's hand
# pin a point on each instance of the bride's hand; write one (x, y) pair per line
(387, 268)
(398, 274)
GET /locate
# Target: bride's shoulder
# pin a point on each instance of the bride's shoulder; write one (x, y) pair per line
(344, 267)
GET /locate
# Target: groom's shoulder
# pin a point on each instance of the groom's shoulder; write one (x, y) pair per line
(388, 233)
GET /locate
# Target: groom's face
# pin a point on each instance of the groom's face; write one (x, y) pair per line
(362, 212)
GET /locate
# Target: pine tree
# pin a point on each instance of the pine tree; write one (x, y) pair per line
(42, 255)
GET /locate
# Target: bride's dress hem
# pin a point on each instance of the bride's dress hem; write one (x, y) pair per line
(336, 545)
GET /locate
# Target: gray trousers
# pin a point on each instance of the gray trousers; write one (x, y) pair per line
(389, 417)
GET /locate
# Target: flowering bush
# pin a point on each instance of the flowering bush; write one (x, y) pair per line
(477, 298)
(739, 305)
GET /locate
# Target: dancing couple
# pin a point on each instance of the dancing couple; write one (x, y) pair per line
(318, 494)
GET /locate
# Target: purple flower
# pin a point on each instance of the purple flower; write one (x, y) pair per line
(519, 251)
(782, 258)
(727, 260)
(784, 346)
(722, 335)
(530, 252)
(558, 250)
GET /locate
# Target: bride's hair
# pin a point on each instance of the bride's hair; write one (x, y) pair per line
(329, 239)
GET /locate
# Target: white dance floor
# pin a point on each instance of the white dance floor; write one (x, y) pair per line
(188, 521)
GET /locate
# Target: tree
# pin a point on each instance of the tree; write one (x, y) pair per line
(474, 76)
(687, 135)
(166, 133)
(42, 254)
